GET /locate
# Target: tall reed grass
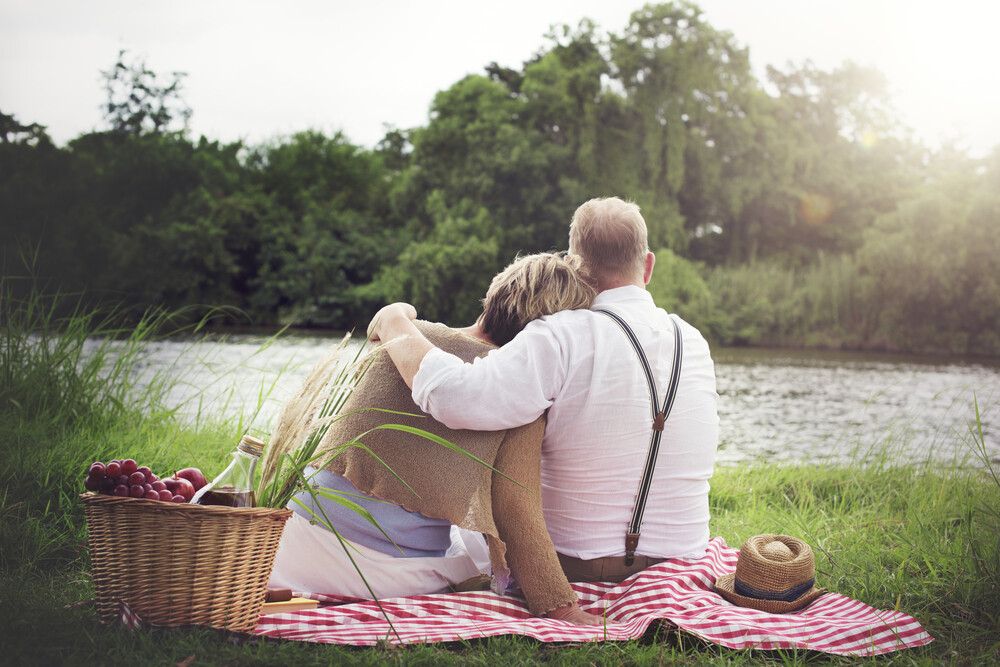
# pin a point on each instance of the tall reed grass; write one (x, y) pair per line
(834, 302)
(74, 389)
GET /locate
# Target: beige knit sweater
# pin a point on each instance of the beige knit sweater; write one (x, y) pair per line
(446, 484)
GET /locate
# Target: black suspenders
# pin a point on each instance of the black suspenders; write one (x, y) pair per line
(659, 417)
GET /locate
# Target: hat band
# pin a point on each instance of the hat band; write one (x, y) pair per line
(790, 595)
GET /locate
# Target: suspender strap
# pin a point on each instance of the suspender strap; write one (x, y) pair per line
(659, 418)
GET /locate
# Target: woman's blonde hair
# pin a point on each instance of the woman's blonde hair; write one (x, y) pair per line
(609, 235)
(530, 287)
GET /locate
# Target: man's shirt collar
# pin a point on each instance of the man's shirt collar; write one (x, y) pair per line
(622, 295)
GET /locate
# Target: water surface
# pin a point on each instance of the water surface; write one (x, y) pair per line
(774, 405)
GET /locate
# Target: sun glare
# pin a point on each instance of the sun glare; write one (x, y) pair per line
(945, 61)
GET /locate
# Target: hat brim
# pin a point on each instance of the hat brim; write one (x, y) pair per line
(725, 587)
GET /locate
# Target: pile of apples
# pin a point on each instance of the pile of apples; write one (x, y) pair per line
(126, 478)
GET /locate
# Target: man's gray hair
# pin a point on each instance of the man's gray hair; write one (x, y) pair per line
(609, 235)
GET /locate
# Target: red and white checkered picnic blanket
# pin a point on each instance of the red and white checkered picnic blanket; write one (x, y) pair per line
(680, 591)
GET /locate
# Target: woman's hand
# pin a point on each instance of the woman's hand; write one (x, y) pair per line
(388, 316)
(573, 614)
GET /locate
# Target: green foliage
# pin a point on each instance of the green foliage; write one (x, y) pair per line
(802, 204)
(138, 103)
(11, 131)
(72, 391)
(684, 85)
(984, 518)
(677, 286)
(51, 366)
(287, 233)
(480, 149)
(446, 274)
(753, 303)
(324, 229)
(933, 259)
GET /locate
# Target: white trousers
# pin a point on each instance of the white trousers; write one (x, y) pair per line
(311, 559)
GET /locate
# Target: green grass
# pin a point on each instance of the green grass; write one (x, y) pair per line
(924, 540)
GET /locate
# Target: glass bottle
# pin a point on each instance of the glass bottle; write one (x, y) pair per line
(234, 486)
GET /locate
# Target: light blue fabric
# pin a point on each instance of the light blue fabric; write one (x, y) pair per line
(417, 535)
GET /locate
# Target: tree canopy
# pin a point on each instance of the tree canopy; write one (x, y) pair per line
(794, 210)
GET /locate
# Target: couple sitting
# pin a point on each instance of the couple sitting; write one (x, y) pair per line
(563, 408)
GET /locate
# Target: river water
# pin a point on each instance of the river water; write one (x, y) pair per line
(774, 405)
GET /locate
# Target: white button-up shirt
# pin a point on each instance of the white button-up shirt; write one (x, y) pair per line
(580, 367)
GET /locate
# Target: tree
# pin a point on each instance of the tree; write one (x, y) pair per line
(329, 229)
(138, 103)
(34, 193)
(677, 285)
(684, 94)
(479, 148)
(930, 270)
(823, 160)
(13, 132)
(445, 274)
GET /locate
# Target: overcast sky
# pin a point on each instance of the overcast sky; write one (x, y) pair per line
(257, 70)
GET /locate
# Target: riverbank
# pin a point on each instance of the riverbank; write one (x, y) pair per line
(812, 343)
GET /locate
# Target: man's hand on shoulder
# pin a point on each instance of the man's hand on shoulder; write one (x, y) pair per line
(388, 317)
(394, 324)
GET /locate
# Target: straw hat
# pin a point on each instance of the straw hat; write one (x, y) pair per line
(774, 573)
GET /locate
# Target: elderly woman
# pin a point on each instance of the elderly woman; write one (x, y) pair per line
(416, 548)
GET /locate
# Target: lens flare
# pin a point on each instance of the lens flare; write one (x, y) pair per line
(868, 139)
(815, 208)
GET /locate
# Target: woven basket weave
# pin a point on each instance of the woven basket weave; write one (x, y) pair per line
(177, 564)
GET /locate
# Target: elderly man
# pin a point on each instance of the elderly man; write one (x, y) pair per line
(589, 372)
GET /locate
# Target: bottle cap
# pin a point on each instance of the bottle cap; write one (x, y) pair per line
(251, 445)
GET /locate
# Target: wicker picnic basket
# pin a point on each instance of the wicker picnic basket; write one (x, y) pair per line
(180, 564)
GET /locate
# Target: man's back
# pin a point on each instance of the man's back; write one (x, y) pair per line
(580, 366)
(599, 434)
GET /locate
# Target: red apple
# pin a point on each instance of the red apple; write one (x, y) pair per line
(192, 475)
(185, 488)
(179, 487)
